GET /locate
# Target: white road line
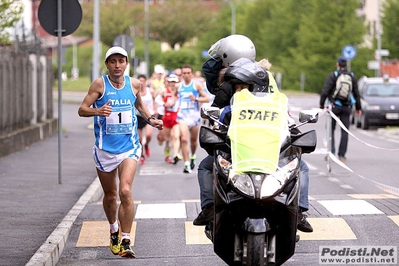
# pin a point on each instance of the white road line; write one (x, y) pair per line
(161, 211)
(349, 207)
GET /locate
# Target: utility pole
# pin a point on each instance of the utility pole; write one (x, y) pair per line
(233, 16)
(95, 73)
(147, 55)
(378, 39)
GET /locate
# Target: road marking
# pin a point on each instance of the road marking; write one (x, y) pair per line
(117, 202)
(328, 229)
(195, 235)
(191, 201)
(333, 179)
(155, 171)
(349, 207)
(96, 234)
(346, 186)
(161, 211)
(373, 196)
(155, 168)
(395, 219)
(311, 167)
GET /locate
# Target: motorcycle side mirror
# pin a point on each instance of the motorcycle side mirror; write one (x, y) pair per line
(308, 116)
(209, 111)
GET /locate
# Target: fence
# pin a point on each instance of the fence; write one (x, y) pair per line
(26, 98)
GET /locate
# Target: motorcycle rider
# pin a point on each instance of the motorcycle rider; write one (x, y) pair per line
(223, 53)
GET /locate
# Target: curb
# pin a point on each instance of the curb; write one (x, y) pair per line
(50, 251)
(19, 139)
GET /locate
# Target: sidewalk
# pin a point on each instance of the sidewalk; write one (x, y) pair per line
(33, 205)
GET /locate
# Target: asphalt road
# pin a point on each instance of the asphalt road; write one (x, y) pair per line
(348, 207)
(353, 205)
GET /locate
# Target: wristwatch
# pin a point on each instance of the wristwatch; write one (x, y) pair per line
(151, 117)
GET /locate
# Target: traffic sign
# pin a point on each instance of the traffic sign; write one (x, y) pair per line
(71, 15)
(349, 52)
(373, 65)
(382, 52)
(124, 41)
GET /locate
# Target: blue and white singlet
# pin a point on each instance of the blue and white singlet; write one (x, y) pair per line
(117, 133)
(186, 104)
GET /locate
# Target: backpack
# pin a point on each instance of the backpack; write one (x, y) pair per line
(343, 87)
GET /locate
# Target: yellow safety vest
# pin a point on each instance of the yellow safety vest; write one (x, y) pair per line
(258, 127)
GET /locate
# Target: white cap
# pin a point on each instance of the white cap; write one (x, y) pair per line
(173, 78)
(115, 50)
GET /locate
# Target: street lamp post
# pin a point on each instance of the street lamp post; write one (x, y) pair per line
(146, 37)
(233, 16)
(378, 39)
(95, 71)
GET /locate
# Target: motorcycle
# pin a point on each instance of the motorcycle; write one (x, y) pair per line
(255, 211)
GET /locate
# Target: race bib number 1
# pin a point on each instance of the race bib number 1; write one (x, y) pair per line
(120, 121)
(187, 105)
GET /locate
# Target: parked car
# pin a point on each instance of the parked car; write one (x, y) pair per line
(380, 102)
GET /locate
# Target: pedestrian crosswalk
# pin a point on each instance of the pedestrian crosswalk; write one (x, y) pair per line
(325, 215)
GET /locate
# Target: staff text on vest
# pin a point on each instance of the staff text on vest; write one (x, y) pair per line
(257, 115)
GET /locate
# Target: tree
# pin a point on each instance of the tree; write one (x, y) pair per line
(10, 13)
(324, 29)
(390, 23)
(220, 27)
(112, 23)
(179, 21)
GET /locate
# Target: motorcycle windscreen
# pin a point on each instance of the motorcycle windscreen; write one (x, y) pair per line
(257, 129)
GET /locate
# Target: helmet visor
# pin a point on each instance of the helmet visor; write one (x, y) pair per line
(260, 88)
(214, 51)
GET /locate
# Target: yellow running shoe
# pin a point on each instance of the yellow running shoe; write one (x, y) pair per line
(115, 242)
(126, 250)
(166, 152)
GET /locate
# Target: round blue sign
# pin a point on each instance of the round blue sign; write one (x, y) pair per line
(349, 52)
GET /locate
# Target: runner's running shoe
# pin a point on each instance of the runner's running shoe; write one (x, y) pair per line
(168, 160)
(166, 152)
(187, 169)
(176, 159)
(192, 163)
(147, 151)
(115, 242)
(126, 250)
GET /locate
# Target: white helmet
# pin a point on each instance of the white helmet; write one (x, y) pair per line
(233, 47)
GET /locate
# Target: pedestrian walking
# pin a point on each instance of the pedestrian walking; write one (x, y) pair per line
(111, 100)
(341, 90)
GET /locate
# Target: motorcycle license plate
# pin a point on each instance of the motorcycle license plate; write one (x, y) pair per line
(392, 116)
